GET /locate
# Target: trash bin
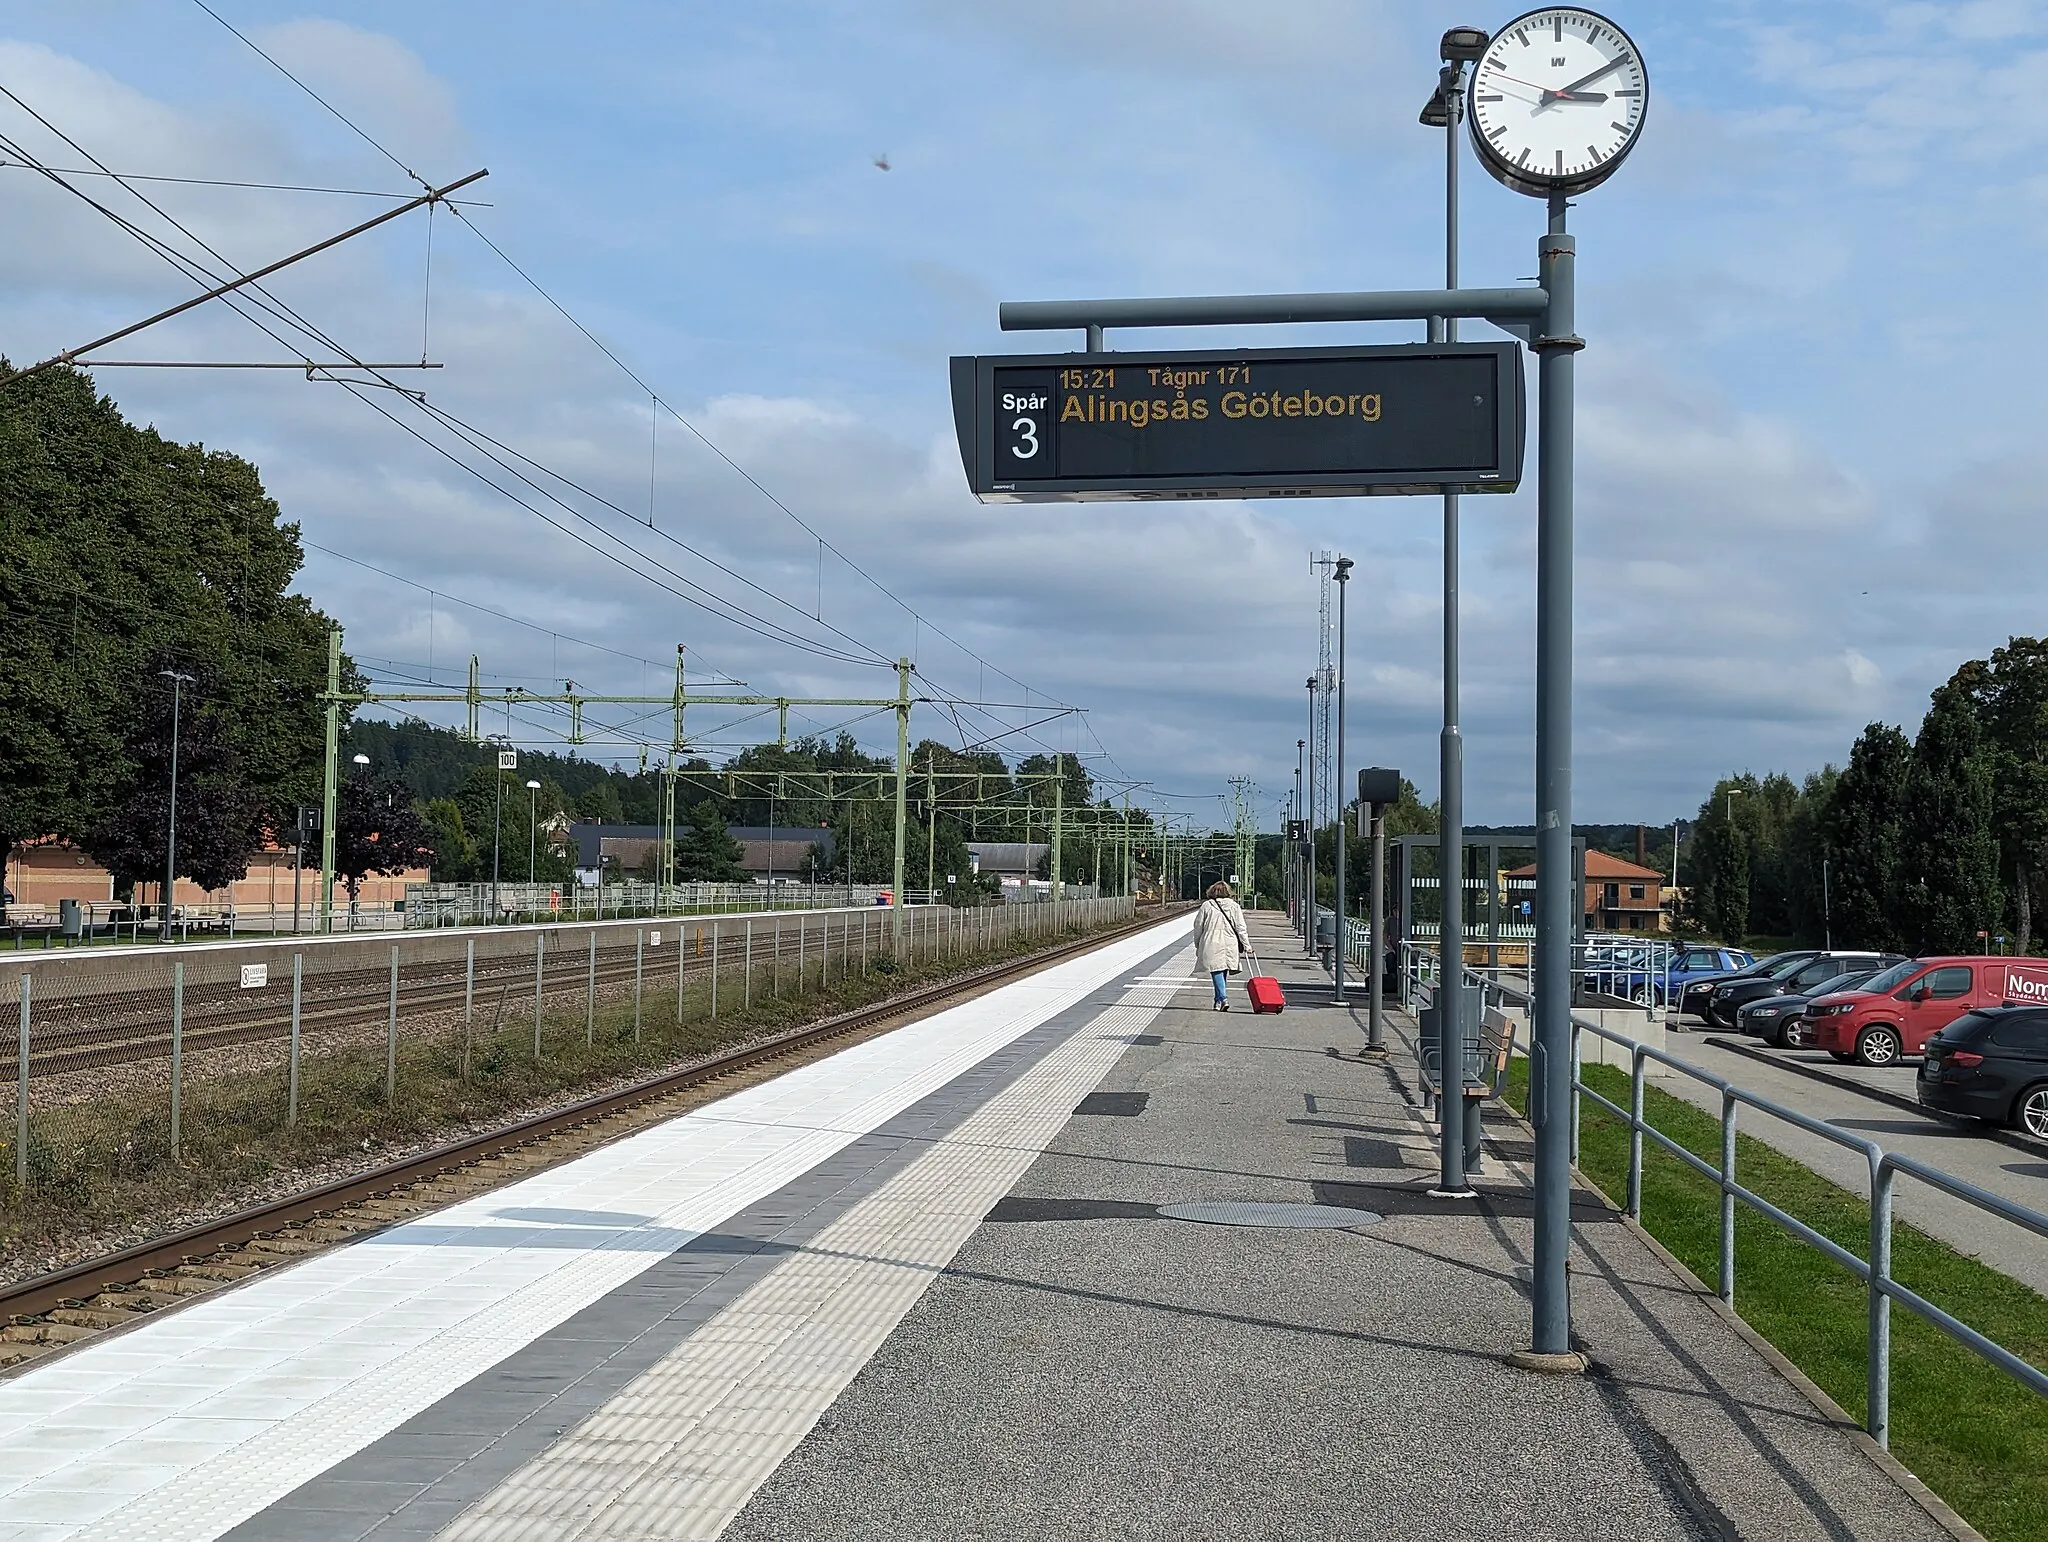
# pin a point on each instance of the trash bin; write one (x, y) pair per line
(70, 918)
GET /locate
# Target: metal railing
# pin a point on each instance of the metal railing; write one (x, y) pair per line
(137, 1065)
(1883, 1166)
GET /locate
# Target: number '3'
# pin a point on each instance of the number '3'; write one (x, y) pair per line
(1026, 429)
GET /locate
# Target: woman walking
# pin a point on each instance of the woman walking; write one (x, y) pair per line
(1220, 940)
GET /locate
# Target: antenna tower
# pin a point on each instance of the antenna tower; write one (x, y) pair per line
(1325, 802)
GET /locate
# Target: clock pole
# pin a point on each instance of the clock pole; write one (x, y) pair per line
(1550, 1091)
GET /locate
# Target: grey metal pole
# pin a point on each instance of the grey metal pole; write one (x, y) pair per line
(1450, 993)
(714, 975)
(177, 1056)
(590, 992)
(540, 965)
(1550, 1060)
(391, 1034)
(1337, 953)
(469, 980)
(21, 1086)
(1375, 1020)
(1300, 812)
(171, 850)
(291, 1110)
(1309, 935)
(639, 966)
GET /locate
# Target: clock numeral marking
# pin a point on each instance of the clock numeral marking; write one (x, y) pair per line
(1496, 131)
(1593, 153)
(1621, 128)
(1557, 29)
(1522, 159)
(1631, 91)
(1523, 36)
(1496, 97)
(1560, 163)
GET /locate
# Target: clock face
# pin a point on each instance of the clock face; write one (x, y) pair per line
(1557, 101)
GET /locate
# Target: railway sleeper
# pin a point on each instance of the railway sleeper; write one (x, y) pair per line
(43, 1331)
(94, 1318)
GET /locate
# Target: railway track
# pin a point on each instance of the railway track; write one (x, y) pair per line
(83, 1033)
(46, 1314)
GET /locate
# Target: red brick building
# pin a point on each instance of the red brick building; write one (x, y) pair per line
(1620, 896)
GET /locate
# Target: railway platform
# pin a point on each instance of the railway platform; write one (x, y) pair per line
(945, 1284)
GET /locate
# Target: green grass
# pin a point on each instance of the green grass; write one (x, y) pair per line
(1974, 1435)
(105, 1165)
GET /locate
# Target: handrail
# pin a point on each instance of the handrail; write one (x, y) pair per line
(1419, 968)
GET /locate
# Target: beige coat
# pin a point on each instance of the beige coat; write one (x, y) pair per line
(1220, 935)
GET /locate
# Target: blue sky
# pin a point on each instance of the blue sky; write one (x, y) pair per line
(1807, 415)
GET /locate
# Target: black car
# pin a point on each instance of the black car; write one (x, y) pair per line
(1699, 999)
(1773, 1018)
(1991, 1064)
(1731, 996)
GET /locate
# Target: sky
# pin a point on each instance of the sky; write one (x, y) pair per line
(718, 332)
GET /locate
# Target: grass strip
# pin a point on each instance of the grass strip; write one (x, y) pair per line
(1971, 1433)
(105, 1165)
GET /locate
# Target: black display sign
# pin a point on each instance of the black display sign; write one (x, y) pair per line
(1241, 423)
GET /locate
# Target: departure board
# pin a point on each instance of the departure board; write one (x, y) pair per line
(1245, 423)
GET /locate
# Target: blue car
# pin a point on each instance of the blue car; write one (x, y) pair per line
(1655, 974)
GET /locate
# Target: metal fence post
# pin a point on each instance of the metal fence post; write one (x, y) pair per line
(747, 965)
(1578, 1076)
(291, 1104)
(590, 994)
(391, 1035)
(177, 1055)
(639, 963)
(682, 960)
(775, 958)
(539, 973)
(1637, 1061)
(1877, 1412)
(469, 981)
(799, 952)
(21, 1088)
(714, 973)
(1728, 1197)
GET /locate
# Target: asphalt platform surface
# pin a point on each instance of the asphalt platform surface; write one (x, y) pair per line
(1085, 1368)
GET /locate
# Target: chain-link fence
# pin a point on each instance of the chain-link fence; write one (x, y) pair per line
(145, 1078)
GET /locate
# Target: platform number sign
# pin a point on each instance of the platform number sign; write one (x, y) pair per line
(1024, 415)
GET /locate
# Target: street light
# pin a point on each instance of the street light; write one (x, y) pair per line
(532, 817)
(1337, 961)
(178, 683)
(1460, 46)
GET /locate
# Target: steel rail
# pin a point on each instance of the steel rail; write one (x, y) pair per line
(78, 1283)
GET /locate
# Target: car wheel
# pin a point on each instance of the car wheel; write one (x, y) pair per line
(1645, 997)
(1878, 1046)
(1781, 1036)
(2030, 1113)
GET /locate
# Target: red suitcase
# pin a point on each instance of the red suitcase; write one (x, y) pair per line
(1265, 992)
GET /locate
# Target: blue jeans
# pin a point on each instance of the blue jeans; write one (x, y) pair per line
(1220, 978)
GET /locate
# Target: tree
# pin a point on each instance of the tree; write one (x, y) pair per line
(1949, 866)
(377, 830)
(707, 853)
(220, 817)
(1861, 834)
(455, 858)
(122, 547)
(2010, 693)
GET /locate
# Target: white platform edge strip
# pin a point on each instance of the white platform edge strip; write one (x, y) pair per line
(180, 1429)
(682, 1449)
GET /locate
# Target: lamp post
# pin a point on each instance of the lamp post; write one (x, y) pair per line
(1304, 879)
(1337, 953)
(364, 762)
(1308, 935)
(178, 683)
(532, 820)
(1460, 46)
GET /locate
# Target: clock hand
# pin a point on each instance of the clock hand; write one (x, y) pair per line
(1586, 80)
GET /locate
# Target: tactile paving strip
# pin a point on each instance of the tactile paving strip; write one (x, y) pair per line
(678, 1455)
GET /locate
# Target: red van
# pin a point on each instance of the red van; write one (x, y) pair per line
(1898, 1011)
